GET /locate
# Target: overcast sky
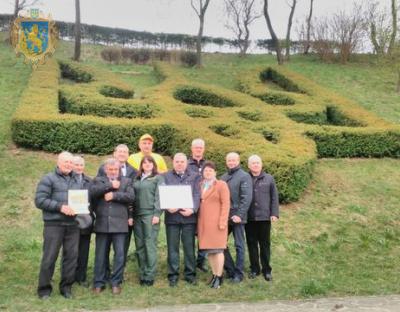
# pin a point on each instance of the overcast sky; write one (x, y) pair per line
(177, 16)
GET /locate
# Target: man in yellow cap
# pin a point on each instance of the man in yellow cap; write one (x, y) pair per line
(146, 147)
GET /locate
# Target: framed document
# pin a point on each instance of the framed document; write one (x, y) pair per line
(176, 197)
(78, 200)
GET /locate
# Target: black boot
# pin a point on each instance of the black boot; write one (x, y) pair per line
(217, 282)
(212, 280)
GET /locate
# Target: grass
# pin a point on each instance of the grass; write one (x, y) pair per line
(340, 239)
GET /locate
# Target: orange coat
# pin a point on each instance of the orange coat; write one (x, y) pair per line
(212, 225)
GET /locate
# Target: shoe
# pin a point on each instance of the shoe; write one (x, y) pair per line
(173, 283)
(44, 297)
(202, 267)
(253, 275)
(268, 277)
(217, 282)
(67, 295)
(237, 279)
(97, 290)
(212, 280)
(191, 281)
(146, 282)
(84, 284)
(116, 290)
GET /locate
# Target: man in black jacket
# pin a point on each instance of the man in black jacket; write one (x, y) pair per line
(60, 227)
(240, 187)
(112, 195)
(180, 224)
(264, 208)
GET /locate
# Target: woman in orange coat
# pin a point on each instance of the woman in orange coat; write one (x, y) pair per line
(212, 225)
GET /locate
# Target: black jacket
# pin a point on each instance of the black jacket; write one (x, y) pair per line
(130, 171)
(52, 193)
(196, 166)
(188, 178)
(111, 216)
(265, 201)
(241, 189)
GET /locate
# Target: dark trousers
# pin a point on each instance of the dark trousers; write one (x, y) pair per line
(103, 243)
(231, 268)
(201, 256)
(175, 234)
(83, 257)
(55, 237)
(258, 235)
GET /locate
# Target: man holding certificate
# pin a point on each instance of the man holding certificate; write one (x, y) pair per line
(60, 226)
(180, 197)
(112, 195)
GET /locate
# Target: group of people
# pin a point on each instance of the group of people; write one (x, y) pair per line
(124, 198)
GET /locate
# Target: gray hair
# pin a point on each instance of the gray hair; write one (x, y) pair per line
(78, 159)
(180, 155)
(198, 142)
(254, 158)
(233, 154)
(65, 156)
(111, 162)
(124, 146)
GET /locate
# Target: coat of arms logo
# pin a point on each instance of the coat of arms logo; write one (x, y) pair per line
(34, 36)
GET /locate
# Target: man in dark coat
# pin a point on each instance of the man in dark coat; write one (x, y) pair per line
(180, 224)
(112, 195)
(264, 208)
(85, 233)
(240, 187)
(195, 164)
(60, 227)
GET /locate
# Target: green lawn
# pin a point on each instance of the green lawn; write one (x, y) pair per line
(341, 238)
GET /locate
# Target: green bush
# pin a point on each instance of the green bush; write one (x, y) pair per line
(188, 58)
(270, 74)
(224, 130)
(253, 116)
(75, 73)
(271, 136)
(276, 98)
(198, 113)
(115, 92)
(197, 96)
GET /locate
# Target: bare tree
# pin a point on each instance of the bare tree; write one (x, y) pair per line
(289, 28)
(23, 4)
(200, 10)
(308, 32)
(241, 13)
(77, 51)
(323, 41)
(392, 43)
(274, 37)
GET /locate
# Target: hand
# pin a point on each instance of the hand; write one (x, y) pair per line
(67, 210)
(115, 184)
(155, 220)
(172, 210)
(186, 212)
(130, 221)
(108, 196)
(236, 219)
(273, 219)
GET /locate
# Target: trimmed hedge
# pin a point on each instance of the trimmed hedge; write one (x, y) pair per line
(276, 98)
(282, 81)
(115, 92)
(288, 148)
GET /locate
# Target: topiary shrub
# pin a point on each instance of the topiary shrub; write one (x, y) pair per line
(198, 113)
(252, 116)
(224, 130)
(274, 76)
(270, 135)
(74, 73)
(275, 99)
(197, 96)
(111, 91)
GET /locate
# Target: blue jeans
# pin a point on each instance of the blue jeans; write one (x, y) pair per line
(231, 268)
(103, 242)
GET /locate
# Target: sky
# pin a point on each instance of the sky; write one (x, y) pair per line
(177, 16)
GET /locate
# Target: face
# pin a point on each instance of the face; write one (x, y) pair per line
(209, 173)
(198, 151)
(112, 171)
(255, 167)
(121, 154)
(232, 161)
(179, 164)
(147, 166)
(65, 165)
(79, 167)
(146, 146)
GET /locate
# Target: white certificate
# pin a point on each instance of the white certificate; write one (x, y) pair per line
(175, 197)
(78, 200)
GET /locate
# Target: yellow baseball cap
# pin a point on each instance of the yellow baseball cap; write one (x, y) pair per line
(146, 137)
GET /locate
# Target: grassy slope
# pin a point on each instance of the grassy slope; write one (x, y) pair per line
(342, 238)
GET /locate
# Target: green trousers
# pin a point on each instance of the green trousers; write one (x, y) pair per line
(146, 237)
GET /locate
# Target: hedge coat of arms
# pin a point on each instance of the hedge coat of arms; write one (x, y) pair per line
(34, 37)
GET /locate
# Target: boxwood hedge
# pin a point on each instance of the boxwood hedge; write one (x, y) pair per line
(54, 116)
